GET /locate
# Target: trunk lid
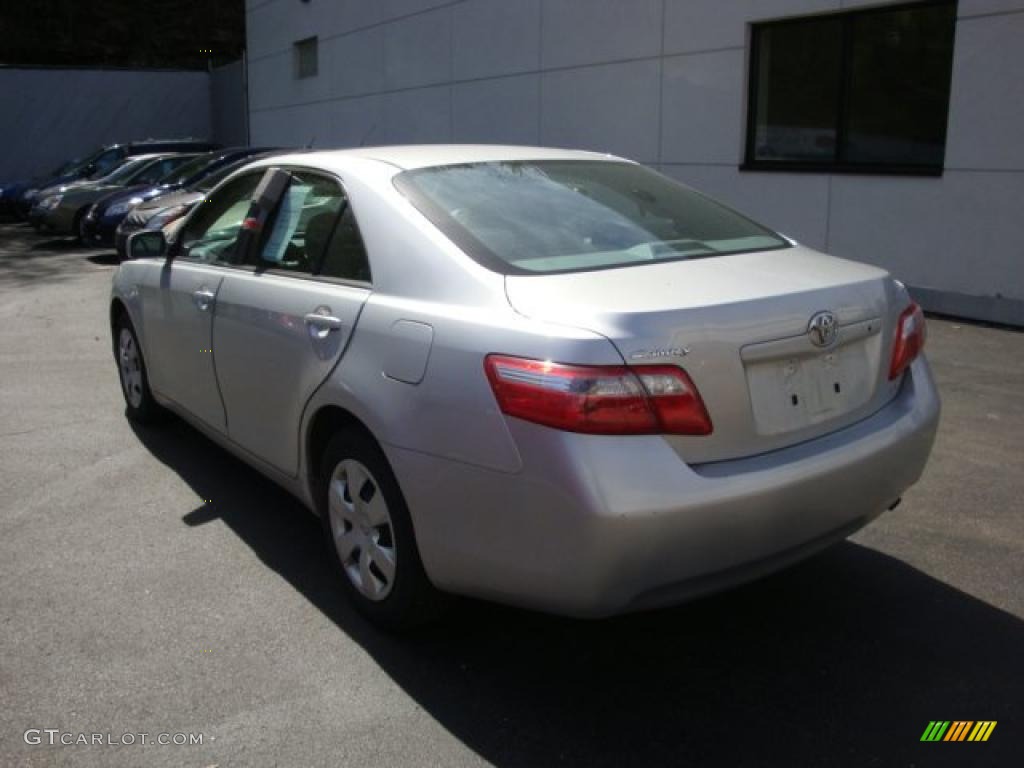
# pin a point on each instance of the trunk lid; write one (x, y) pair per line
(739, 326)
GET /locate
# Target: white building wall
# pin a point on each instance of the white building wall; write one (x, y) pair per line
(663, 82)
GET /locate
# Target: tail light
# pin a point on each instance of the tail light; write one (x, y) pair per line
(909, 341)
(599, 400)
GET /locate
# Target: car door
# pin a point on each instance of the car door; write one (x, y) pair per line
(283, 323)
(179, 301)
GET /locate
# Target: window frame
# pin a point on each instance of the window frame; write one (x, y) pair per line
(847, 16)
(307, 46)
(260, 242)
(240, 263)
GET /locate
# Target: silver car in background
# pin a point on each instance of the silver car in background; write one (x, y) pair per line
(549, 378)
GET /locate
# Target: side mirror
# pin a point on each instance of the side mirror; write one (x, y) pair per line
(147, 244)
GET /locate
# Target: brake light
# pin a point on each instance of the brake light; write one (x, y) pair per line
(599, 400)
(909, 340)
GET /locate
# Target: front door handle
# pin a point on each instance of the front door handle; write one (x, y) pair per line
(203, 298)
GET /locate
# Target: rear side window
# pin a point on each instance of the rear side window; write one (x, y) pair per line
(298, 231)
(529, 217)
(312, 231)
(345, 257)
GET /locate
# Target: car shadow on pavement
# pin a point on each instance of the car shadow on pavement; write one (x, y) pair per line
(105, 259)
(842, 660)
(28, 257)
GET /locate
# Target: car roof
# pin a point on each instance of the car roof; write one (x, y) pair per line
(407, 157)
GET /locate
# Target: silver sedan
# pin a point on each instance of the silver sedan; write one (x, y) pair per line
(549, 378)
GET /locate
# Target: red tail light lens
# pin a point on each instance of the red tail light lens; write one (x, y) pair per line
(909, 341)
(599, 400)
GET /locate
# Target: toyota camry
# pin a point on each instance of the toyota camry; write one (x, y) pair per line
(549, 378)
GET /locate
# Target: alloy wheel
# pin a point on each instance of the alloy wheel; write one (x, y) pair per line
(130, 366)
(362, 529)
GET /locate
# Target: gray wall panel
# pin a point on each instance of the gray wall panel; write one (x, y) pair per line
(609, 108)
(50, 115)
(495, 37)
(229, 118)
(591, 31)
(505, 110)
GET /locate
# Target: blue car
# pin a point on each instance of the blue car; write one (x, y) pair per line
(24, 194)
(11, 192)
(102, 220)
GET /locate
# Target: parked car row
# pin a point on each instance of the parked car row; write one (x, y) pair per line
(119, 190)
(18, 196)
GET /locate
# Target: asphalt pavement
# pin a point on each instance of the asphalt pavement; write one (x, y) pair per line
(151, 584)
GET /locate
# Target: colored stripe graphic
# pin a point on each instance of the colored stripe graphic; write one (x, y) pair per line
(935, 730)
(958, 730)
(951, 733)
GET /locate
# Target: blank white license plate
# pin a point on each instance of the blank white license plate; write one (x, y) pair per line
(796, 392)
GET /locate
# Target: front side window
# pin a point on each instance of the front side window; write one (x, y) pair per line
(864, 90)
(210, 233)
(573, 215)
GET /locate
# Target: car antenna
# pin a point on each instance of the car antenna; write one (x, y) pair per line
(367, 135)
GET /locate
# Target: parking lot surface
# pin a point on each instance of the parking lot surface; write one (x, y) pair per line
(150, 583)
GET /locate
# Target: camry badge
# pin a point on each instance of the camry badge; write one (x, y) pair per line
(649, 354)
(823, 329)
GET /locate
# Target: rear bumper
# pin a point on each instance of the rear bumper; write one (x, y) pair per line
(594, 526)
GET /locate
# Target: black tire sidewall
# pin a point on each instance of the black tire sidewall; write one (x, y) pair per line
(77, 225)
(413, 600)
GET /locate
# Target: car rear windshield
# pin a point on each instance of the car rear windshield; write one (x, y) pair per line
(574, 215)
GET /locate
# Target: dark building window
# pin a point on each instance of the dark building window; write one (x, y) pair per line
(306, 58)
(859, 91)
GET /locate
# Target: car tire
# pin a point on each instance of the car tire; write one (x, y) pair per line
(76, 227)
(131, 370)
(370, 537)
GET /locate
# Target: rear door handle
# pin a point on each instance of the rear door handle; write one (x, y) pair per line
(203, 298)
(323, 321)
